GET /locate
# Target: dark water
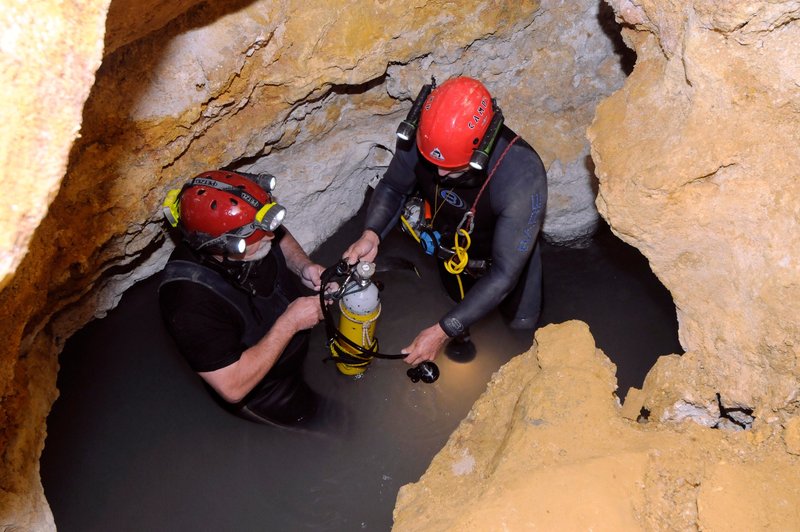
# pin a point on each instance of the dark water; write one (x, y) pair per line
(135, 442)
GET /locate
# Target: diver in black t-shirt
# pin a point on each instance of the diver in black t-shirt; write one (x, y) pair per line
(229, 300)
(486, 190)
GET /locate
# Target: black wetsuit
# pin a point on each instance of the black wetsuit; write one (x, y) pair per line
(216, 311)
(508, 218)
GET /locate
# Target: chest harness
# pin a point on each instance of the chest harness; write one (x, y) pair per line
(418, 222)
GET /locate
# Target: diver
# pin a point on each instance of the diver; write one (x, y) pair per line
(484, 191)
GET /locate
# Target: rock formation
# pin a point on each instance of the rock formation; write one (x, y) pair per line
(698, 162)
(312, 92)
(546, 448)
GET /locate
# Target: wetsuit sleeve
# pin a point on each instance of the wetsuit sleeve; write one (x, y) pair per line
(518, 197)
(206, 329)
(390, 194)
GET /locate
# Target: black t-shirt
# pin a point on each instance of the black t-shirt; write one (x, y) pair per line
(206, 328)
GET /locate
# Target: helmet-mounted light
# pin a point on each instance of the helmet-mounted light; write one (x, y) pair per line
(408, 127)
(270, 216)
(480, 156)
(171, 207)
(235, 246)
(264, 180)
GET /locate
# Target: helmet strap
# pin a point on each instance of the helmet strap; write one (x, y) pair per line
(230, 189)
(227, 242)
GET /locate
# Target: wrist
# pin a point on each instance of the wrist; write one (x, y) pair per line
(372, 236)
(452, 327)
(286, 323)
(441, 333)
(304, 267)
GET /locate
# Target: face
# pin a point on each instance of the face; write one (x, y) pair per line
(452, 173)
(253, 252)
(260, 249)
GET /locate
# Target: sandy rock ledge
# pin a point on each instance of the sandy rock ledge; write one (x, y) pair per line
(546, 447)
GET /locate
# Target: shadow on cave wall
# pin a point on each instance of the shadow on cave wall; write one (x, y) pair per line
(613, 29)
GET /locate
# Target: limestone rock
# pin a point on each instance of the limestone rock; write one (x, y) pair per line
(698, 166)
(791, 435)
(50, 52)
(545, 448)
(752, 496)
(634, 402)
(129, 21)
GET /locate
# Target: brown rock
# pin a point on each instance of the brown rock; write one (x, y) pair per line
(632, 407)
(546, 448)
(791, 435)
(697, 160)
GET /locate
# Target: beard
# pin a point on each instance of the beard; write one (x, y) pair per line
(259, 252)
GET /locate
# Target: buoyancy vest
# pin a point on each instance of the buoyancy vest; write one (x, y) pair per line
(258, 313)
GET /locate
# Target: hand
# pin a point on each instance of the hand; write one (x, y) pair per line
(310, 275)
(363, 249)
(426, 345)
(303, 313)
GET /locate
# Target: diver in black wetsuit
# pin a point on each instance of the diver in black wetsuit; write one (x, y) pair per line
(496, 211)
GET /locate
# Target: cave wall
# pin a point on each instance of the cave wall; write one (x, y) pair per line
(309, 91)
(49, 52)
(698, 159)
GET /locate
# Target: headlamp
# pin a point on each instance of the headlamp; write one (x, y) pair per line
(171, 207)
(408, 127)
(235, 246)
(270, 216)
(480, 156)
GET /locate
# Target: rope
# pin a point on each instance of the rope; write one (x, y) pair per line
(458, 262)
(470, 215)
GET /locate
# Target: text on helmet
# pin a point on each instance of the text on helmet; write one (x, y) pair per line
(478, 114)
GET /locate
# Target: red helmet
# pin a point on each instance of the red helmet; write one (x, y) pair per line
(224, 210)
(454, 120)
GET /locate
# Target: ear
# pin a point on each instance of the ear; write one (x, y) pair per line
(196, 239)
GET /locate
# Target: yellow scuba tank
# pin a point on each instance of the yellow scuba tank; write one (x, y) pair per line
(360, 307)
(353, 345)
